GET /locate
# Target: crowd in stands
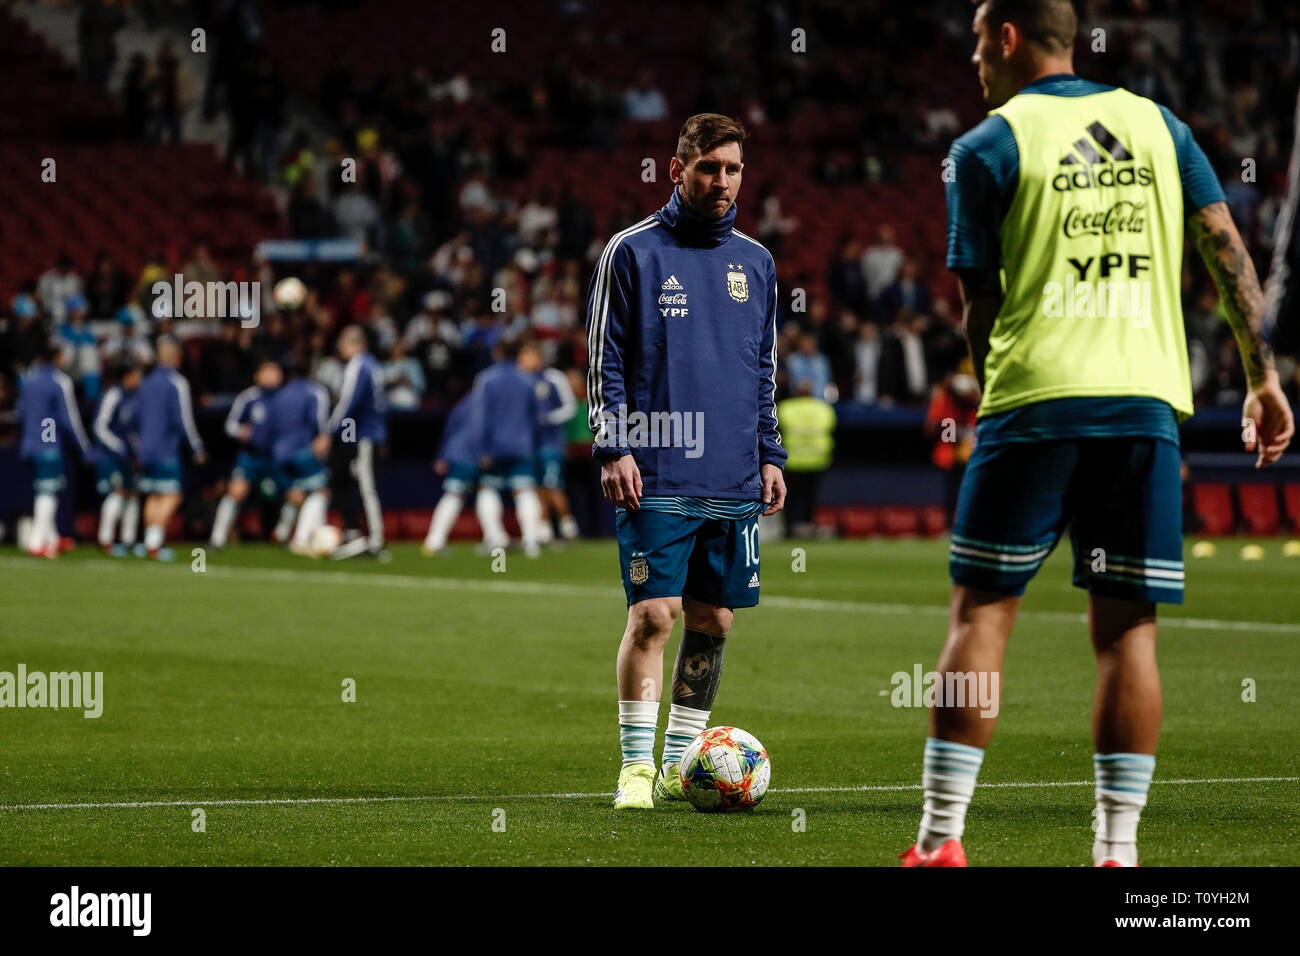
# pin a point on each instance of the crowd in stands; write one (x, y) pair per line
(464, 247)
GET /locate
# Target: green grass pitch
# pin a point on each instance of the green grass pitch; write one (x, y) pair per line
(484, 728)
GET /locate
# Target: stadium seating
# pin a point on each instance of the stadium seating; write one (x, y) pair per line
(1291, 495)
(1213, 504)
(1259, 510)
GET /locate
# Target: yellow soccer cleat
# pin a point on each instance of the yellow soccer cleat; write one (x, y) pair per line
(668, 785)
(635, 785)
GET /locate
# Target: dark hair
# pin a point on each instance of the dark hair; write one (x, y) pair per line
(707, 131)
(1049, 24)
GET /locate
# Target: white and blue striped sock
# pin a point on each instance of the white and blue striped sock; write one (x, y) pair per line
(684, 725)
(1122, 784)
(948, 779)
(637, 722)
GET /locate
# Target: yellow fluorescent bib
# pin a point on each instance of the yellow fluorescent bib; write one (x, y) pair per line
(1092, 251)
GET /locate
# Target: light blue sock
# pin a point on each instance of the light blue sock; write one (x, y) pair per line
(948, 779)
(1122, 784)
(637, 722)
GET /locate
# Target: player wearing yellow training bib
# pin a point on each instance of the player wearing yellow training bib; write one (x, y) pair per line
(1066, 214)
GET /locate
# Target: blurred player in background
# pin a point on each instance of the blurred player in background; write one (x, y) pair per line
(503, 424)
(1070, 185)
(116, 430)
(299, 412)
(557, 408)
(681, 319)
(356, 429)
(249, 423)
(1283, 305)
(166, 420)
(457, 463)
(47, 412)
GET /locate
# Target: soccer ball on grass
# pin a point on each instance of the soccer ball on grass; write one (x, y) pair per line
(724, 769)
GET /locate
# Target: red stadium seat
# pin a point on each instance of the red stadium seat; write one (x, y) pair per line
(86, 526)
(1259, 510)
(466, 528)
(250, 524)
(934, 520)
(415, 523)
(1291, 495)
(857, 522)
(394, 526)
(899, 521)
(825, 517)
(1213, 503)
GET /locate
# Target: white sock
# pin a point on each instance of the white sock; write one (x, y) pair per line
(444, 519)
(130, 520)
(637, 723)
(154, 536)
(488, 506)
(109, 513)
(948, 779)
(568, 528)
(284, 526)
(226, 512)
(545, 529)
(44, 533)
(1122, 784)
(528, 509)
(684, 725)
(310, 517)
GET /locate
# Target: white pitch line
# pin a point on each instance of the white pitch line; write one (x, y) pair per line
(464, 797)
(434, 583)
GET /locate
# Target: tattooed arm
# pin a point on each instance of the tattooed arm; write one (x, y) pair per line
(981, 298)
(1267, 418)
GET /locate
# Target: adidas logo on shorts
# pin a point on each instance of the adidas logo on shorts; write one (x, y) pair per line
(753, 581)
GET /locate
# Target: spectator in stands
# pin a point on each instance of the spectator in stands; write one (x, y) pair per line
(809, 369)
(902, 376)
(358, 216)
(97, 26)
(644, 101)
(107, 287)
(881, 263)
(950, 425)
(866, 355)
(308, 216)
(56, 286)
(403, 380)
(171, 93)
(137, 97)
(773, 227)
(845, 280)
(808, 433)
(80, 347)
(908, 291)
(201, 267)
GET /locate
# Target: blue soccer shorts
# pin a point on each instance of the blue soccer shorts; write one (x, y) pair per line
(258, 471)
(550, 466)
(516, 473)
(161, 477)
(461, 476)
(47, 470)
(1120, 498)
(303, 471)
(710, 560)
(113, 473)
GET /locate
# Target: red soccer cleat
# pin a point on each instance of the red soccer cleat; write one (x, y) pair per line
(950, 854)
(1109, 863)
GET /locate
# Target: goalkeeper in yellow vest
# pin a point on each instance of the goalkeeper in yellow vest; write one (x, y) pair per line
(1066, 216)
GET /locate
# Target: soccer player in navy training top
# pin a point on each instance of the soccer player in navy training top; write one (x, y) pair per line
(1066, 216)
(681, 330)
(166, 419)
(249, 423)
(47, 411)
(356, 430)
